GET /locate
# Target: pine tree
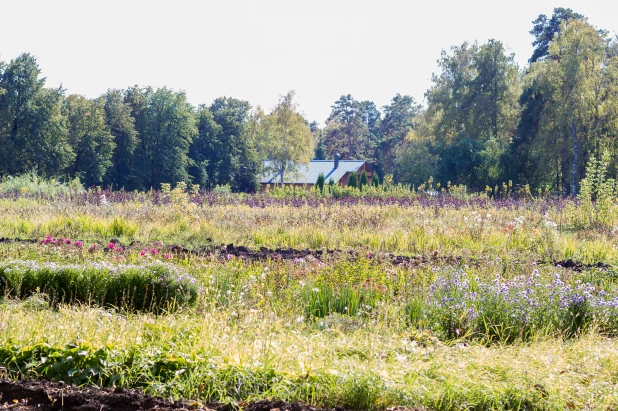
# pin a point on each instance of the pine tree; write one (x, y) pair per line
(353, 180)
(320, 182)
(363, 180)
(375, 181)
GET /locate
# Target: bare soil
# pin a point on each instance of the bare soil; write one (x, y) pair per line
(38, 395)
(263, 253)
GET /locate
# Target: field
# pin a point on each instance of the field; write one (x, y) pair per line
(432, 303)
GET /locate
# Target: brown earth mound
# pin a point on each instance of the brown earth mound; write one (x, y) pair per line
(47, 396)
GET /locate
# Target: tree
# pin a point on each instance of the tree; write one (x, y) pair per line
(203, 148)
(346, 132)
(234, 159)
(287, 141)
(353, 180)
(375, 181)
(90, 138)
(122, 127)
(320, 182)
(472, 105)
(166, 125)
(394, 127)
(318, 141)
(32, 125)
(572, 79)
(545, 29)
(363, 180)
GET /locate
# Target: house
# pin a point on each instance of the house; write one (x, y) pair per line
(307, 175)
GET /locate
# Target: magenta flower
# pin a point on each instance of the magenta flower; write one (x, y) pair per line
(167, 256)
(78, 244)
(111, 246)
(154, 251)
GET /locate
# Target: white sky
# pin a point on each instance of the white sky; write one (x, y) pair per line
(258, 50)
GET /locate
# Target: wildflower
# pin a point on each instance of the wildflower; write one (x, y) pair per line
(111, 246)
(154, 251)
(78, 244)
(167, 256)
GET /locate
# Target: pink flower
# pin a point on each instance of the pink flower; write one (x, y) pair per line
(66, 240)
(167, 256)
(142, 253)
(119, 249)
(154, 251)
(78, 244)
(111, 246)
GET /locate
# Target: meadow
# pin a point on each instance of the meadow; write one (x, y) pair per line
(368, 301)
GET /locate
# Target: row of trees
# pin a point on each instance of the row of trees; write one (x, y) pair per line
(486, 121)
(141, 137)
(135, 138)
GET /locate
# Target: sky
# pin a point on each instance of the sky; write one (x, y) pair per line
(258, 50)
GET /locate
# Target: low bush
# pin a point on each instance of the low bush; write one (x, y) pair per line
(151, 288)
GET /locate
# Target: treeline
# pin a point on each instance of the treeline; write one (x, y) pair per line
(135, 138)
(486, 121)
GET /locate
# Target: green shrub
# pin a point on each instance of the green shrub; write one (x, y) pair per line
(31, 183)
(353, 181)
(320, 182)
(375, 181)
(154, 288)
(363, 180)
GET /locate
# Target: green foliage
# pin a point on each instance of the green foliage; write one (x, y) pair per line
(153, 288)
(363, 180)
(347, 131)
(90, 138)
(545, 30)
(320, 182)
(598, 193)
(283, 137)
(375, 181)
(231, 158)
(203, 148)
(33, 184)
(394, 127)
(122, 127)
(353, 180)
(166, 126)
(322, 300)
(33, 135)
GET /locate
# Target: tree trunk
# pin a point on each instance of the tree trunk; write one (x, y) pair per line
(575, 158)
(281, 171)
